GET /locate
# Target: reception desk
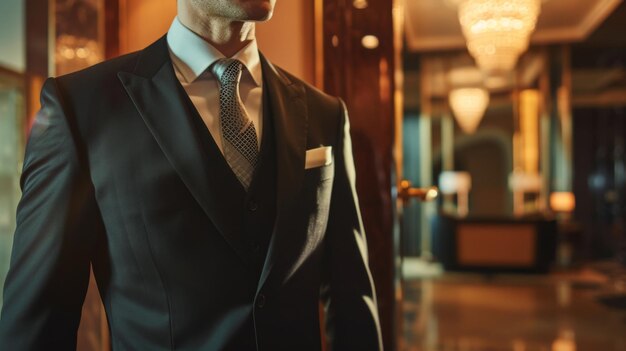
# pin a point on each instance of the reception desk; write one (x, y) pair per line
(493, 245)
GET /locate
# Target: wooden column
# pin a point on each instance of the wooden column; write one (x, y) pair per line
(564, 106)
(545, 148)
(37, 65)
(361, 71)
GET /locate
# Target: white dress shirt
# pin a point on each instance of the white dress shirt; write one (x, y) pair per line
(192, 56)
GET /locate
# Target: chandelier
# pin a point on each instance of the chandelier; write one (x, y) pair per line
(468, 106)
(498, 31)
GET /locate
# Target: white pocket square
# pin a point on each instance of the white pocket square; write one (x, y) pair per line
(321, 156)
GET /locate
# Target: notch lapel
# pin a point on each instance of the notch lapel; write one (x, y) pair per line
(159, 98)
(289, 111)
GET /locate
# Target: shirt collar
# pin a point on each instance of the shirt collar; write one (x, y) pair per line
(193, 55)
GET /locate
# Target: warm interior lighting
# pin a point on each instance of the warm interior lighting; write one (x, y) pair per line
(459, 183)
(465, 76)
(370, 42)
(469, 105)
(451, 183)
(498, 31)
(565, 342)
(562, 201)
(529, 129)
(360, 4)
(497, 82)
(525, 182)
(73, 53)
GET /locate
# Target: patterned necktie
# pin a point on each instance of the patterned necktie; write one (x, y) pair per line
(238, 133)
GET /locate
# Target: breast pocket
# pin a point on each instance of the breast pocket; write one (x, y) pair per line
(319, 174)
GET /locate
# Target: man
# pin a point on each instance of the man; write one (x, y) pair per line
(212, 192)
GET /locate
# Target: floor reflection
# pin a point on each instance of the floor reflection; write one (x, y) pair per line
(466, 312)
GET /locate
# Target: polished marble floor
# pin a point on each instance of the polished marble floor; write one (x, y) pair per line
(470, 312)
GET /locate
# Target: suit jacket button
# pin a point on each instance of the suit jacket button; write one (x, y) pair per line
(252, 205)
(260, 301)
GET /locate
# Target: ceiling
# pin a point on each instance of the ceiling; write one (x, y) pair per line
(595, 29)
(432, 25)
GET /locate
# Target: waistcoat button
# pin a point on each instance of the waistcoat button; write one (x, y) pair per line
(252, 205)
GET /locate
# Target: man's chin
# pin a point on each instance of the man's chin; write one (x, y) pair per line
(264, 18)
(261, 13)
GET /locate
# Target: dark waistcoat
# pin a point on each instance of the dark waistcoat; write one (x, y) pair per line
(255, 208)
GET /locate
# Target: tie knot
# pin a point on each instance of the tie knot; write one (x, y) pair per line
(227, 70)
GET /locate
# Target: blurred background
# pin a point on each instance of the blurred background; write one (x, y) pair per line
(489, 141)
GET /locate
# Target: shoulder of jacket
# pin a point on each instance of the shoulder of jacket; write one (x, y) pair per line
(99, 72)
(314, 95)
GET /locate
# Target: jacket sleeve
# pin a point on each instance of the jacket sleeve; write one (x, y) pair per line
(56, 219)
(348, 291)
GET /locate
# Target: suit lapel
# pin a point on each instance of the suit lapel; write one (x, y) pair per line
(289, 111)
(160, 100)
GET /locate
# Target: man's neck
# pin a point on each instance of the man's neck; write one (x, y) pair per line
(227, 36)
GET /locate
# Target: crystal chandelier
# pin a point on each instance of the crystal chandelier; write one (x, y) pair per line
(468, 105)
(498, 31)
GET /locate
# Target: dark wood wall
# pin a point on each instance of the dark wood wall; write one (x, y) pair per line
(363, 77)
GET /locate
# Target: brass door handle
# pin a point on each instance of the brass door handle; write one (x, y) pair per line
(407, 192)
